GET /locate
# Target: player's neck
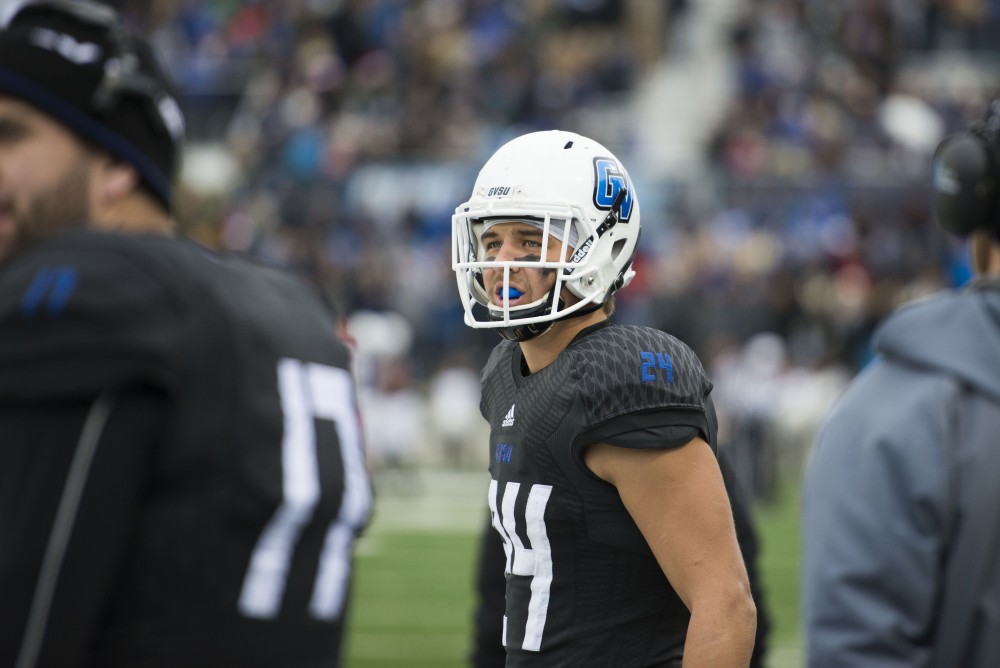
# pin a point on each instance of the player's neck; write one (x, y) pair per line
(543, 350)
(135, 214)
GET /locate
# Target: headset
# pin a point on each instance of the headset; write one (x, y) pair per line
(966, 178)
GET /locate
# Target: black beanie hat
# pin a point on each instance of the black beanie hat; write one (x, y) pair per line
(80, 64)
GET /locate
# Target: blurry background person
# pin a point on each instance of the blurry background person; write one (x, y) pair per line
(181, 466)
(901, 531)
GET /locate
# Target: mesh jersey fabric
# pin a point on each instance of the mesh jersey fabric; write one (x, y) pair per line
(583, 587)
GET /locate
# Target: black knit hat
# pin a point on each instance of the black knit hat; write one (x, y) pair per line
(80, 64)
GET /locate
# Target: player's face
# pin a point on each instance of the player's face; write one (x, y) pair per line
(45, 176)
(518, 241)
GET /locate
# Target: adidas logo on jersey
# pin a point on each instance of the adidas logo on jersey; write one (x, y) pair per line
(508, 419)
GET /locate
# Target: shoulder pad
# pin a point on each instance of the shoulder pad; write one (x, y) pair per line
(624, 369)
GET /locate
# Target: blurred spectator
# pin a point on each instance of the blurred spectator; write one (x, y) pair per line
(393, 417)
(453, 397)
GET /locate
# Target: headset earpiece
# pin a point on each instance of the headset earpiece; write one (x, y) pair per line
(965, 184)
(965, 172)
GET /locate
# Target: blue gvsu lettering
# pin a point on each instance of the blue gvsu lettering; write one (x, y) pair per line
(498, 191)
(503, 452)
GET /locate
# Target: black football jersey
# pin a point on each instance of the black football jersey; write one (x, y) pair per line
(583, 586)
(243, 489)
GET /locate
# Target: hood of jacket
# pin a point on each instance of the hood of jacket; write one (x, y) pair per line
(955, 332)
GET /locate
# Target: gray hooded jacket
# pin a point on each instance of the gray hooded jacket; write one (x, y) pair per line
(901, 503)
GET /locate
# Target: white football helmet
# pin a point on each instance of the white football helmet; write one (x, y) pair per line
(570, 187)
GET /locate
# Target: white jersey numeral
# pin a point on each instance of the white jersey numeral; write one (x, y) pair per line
(534, 562)
(310, 391)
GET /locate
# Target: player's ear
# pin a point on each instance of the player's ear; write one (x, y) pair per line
(116, 180)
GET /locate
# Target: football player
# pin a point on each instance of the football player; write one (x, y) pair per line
(181, 467)
(605, 488)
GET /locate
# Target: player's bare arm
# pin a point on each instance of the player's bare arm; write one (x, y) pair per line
(678, 500)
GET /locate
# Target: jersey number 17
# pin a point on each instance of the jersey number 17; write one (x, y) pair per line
(310, 391)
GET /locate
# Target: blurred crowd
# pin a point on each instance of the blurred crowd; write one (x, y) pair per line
(335, 137)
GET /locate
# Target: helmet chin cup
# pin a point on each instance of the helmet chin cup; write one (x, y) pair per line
(525, 332)
(521, 333)
(577, 193)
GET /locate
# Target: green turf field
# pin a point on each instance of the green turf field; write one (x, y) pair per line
(778, 530)
(412, 602)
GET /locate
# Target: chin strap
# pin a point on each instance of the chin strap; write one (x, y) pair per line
(533, 330)
(527, 332)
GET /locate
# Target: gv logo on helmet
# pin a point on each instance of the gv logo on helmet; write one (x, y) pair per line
(609, 179)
